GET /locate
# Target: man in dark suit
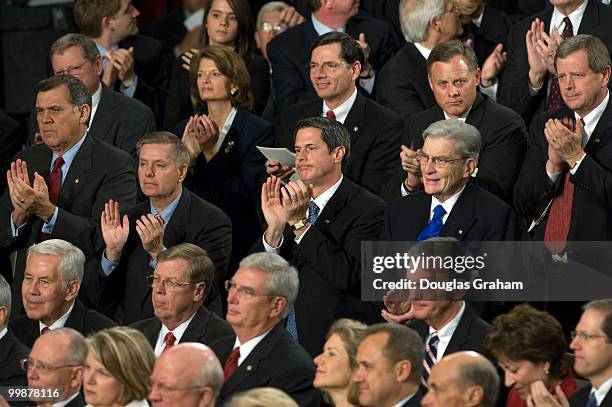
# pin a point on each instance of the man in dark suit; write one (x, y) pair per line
(526, 84)
(170, 216)
(460, 379)
(449, 204)
(389, 364)
(11, 140)
(567, 163)
(262, 353)
(288, 52)
(183, 276)
(592, 346)
(116, 119)
(53, 275)
(321, 231)
(402, 84)
(12, 351)
(134, 64)
(57, 189)
(57, 360)
(374, 130)
(190, 366)
(503, 133)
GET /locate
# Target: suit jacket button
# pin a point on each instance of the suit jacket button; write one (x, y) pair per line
(249, 368)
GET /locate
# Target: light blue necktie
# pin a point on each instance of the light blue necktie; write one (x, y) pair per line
(435, 225)
(313, 212)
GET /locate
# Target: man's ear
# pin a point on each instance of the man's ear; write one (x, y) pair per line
(85, 112)
(402, 370)
(278, 305)
(72, 290)
(338, 154)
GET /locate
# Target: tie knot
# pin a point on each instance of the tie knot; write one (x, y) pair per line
(568, 29)
(57, 164)
(169, 339)
(44, 330)
(433, 340)
(330, 115)
(439, 212)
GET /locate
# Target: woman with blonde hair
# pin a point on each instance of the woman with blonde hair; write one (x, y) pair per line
(118, 368)
(337, 363)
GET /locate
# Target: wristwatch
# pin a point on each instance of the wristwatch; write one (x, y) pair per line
(299, 224)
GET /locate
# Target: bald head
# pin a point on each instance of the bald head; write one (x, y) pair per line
(460, 379)
(191, 368)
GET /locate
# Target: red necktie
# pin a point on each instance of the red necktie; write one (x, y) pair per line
(560, 215)
(231, 364)
(44, 331)
(330, 115)
(554, 96)
(169, 341)
(55, 180)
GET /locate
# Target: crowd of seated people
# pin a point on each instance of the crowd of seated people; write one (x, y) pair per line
(220, 261)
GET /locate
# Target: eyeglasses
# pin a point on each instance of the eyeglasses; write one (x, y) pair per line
(72, 70)
(245, 292)
(583, 336)
(277, 28)
(438, 162)
(162, 388)
(326, 66)
(43, 368)
(169, 285)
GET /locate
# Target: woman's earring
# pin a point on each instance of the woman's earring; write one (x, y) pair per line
(233, 92)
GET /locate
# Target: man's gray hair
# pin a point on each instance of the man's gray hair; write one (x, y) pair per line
(87, 45)
(284, 280)
(482, 373)
(467, 137)
(270, 7)
(180, 154)
(5, 300)
(415, 15)
(77, 349)
(72, 260)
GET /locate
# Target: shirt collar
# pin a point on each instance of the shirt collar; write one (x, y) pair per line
(600, 394)
(324, 198)
(422, 50)
(229, 120)
(447, 331)
(95, 98)
(178, 332)
(69, 155)
(591, 119)
(447, 205)
(3, 332)
(247, 347)
(478, 21)
(321, 28)
(168, 211)
(59, 323)
(404, 400)
(462, 118)
(341, 112)
(575, 17)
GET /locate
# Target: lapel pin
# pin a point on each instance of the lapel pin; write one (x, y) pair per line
(249, 368)
(460, 231)
(356, 128)
(229, 146)
(327, 221)
(76, 181)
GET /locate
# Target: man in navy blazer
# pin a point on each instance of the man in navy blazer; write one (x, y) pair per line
(180, 282)
(170, 216)
(289, 52)
(449, 204)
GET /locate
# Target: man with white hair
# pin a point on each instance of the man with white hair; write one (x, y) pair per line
(52, 280)
(12, 351)
(188, 374)
(262, 353)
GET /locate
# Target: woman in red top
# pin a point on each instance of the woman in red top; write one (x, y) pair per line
(529, 346)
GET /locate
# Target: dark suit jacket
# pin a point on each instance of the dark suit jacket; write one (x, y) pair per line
(121, 121)
(11, 139)
(152, 65)
(12, 351)
(81, 319)
(402, 85)
(205, 327)
(125, 293)
(469, 334)
(477, 216)
(79, 401)
(328, 261)
(375, 139)
(581, 397)
(289, 54)
(232, 179)
(179, 106)
(493, 30)
(415, 401)
(277, 361)
(99, 172)
(514, 86)
(592, 205)
(503, 143)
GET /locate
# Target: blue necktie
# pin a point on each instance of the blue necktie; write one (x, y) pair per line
(592, 400)
(434, 227)
(313, 212)
(430, 358)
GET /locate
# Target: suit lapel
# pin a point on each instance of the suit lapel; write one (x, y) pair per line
(175, 230)
(197, 327)
(461, 332)
(76, 319)
(356, 117)
(76, 176)
(476, 114)
(462, 216)
(151, 331)
(104, 115)
(590, 19)
(333, 206)
(600, 132)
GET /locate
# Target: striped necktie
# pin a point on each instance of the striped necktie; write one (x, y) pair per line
(430, 359)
